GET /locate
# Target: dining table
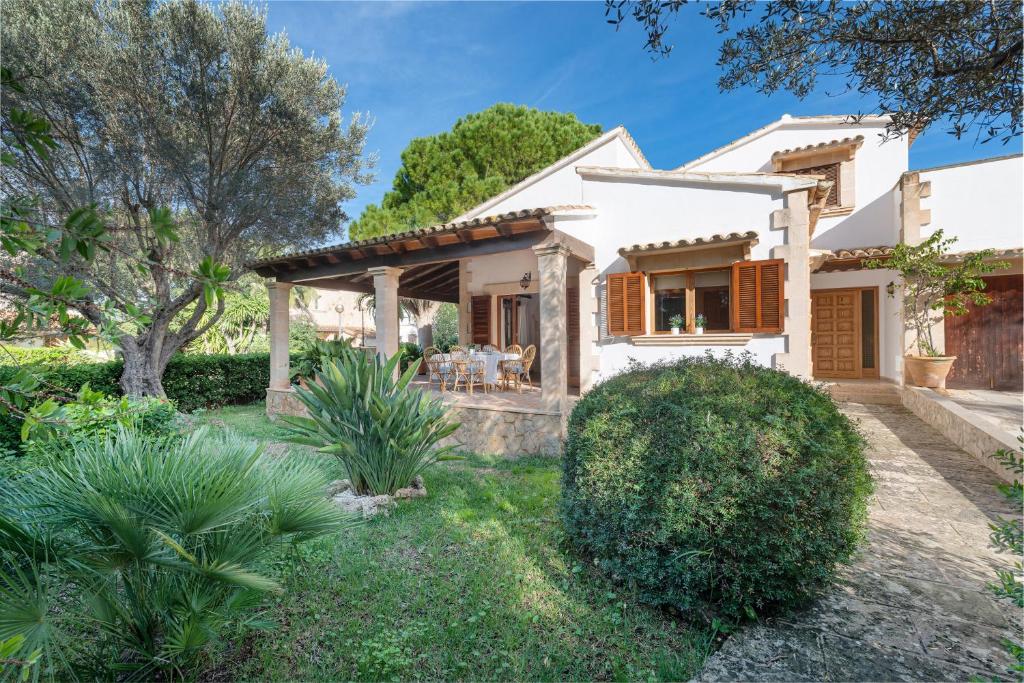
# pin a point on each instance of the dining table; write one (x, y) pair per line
(490, 359)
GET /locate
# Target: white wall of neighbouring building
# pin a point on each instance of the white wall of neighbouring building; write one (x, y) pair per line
(979, 203)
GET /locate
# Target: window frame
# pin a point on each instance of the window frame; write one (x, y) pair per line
(691, 297)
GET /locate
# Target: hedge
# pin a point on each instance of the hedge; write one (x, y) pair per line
(49, 355)
(192, 381)
(716, 487)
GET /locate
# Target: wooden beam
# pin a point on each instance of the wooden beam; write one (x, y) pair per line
(413, 277)
(449, 273)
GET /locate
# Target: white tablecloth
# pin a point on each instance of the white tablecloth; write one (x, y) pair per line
(490, 361)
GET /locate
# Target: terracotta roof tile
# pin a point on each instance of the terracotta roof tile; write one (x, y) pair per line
(441, 228)
(711, 241)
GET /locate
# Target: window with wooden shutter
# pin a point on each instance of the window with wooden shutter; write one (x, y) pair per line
(481, 320)
(757, 296)
(831, 174)
(624, 294)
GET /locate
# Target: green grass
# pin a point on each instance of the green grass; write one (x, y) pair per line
(471, 582)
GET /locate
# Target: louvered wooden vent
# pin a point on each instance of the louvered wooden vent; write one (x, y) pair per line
(624, 294)
(831, 173)
(757, 290)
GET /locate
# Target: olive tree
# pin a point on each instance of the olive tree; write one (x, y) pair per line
(177, 112)
(926, 61)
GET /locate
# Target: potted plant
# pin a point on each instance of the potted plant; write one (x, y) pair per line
(675, 322)
(934, 287)
(699, 323)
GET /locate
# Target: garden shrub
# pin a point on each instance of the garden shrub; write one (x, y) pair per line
(714, 486)
(410, 351)
(94, 416)
(191, 382)
(305, 364)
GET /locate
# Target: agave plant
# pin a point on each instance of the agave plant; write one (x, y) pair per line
(149, 545)
(383, 432)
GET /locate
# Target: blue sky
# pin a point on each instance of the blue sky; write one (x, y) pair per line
(416, 67)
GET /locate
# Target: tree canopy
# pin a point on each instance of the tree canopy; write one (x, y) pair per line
(925, 60)
(179, 113)
(482, 155)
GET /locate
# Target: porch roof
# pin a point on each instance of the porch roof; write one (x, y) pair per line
(428, 256)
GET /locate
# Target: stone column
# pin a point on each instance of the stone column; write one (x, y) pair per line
(279, 371)
(588, 324)
(795, 219)
(385, 286)
(551, 262)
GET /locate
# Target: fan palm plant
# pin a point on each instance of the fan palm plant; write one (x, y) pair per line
(152, 544)
(383, 433)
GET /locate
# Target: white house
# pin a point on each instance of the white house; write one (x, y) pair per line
(763, 239)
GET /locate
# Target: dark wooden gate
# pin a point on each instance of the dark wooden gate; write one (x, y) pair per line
(989, 341)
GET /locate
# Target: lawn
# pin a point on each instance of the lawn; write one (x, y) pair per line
(471, 582)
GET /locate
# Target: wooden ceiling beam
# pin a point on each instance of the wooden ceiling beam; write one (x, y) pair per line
(412, 278)
(448, 274)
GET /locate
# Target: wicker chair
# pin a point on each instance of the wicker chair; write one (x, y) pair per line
(514, 348)
(519, 370)
(469, 372)
(441, 369)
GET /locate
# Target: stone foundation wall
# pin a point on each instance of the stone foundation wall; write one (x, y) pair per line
(967, 430)
(507, 432)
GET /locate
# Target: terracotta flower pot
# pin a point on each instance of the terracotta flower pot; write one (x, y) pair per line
(928, 371)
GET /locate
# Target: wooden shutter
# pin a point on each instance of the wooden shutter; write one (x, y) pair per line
(757, 296)
(624, 294)
(831, 173)
(572, 332)
(481, 317)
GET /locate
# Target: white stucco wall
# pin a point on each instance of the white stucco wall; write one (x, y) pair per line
(981, 203)
(890, 326)
(615, 357)
(637, 211)
(877, 169)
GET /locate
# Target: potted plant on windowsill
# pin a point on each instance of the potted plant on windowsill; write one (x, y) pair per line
(934, 287)
(699, 323)
(675, 322)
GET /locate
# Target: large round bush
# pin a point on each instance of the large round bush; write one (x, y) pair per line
(718, 487)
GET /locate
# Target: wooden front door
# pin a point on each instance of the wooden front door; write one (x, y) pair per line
(836, 333)
(988, 342)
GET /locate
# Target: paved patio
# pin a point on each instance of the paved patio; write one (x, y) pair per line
(914, 605)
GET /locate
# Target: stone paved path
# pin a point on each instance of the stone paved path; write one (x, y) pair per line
(913, 606)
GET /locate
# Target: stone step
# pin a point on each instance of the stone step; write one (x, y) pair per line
(877, 393)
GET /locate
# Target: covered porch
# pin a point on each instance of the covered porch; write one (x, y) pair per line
(516, 277)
